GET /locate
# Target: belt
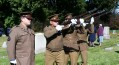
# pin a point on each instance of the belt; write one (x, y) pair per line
(82, 41)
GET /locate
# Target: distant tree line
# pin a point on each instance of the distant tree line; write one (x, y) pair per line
(42, 9)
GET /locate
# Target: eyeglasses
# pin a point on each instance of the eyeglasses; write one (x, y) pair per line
(29, 18)
(54, 20)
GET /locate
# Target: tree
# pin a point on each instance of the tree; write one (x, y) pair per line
(42, 9)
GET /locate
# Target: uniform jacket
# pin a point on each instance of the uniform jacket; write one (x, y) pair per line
(54, 39)
(20, 45)
(70, 38)
(82, 32)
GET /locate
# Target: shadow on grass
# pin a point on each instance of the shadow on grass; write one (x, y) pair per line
(95, 44)
(69, 63)
(117, 51)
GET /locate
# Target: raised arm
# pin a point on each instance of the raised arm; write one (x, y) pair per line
(48, 32)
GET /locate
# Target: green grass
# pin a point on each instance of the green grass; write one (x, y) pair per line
(3, 53)
(96, 55)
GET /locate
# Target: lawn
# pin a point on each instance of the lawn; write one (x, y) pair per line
(96, 55)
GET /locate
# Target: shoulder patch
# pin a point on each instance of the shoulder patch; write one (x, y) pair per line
(13, 28)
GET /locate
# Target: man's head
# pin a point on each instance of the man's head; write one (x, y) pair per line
(100, 24)
(26, 18)
(54, 19)
(69, 16)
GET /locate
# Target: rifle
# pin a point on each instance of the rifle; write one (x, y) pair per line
(96, 14)
(86, 16)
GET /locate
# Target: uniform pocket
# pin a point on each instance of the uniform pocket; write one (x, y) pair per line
(23, 37)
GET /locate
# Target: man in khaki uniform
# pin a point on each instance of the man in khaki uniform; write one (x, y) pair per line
(82, 36)
(70, 41)
(54, 47)
(20, 43)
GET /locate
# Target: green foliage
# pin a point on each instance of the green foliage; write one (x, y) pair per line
(37, 26)
(81, 6)
(104, 4)
(9, 22)
(115, 25)
(10, 9)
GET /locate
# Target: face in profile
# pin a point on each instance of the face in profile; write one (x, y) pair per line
(54, 23)
(26, 21)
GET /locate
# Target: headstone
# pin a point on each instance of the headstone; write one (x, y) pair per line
(106, 32)
(4, 45)
(40, 43)
(117, 44)
(110, 48)
(114, 32)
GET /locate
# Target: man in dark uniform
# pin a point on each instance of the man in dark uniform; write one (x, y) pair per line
(20, 43)
(70, 41)
(82, 39)
(54, 47)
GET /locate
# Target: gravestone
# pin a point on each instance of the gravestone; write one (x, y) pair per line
(106, 32)
(4, 45)
(109, 48)
(114, 32)
(117, 44)
(40, 43)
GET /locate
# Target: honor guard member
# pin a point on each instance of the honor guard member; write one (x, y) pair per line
(82, 34)
(70, 41)
(20, 43)
(54, 47)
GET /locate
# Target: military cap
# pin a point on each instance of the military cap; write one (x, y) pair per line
(68, 16)
(28, 15)
(54, 17)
